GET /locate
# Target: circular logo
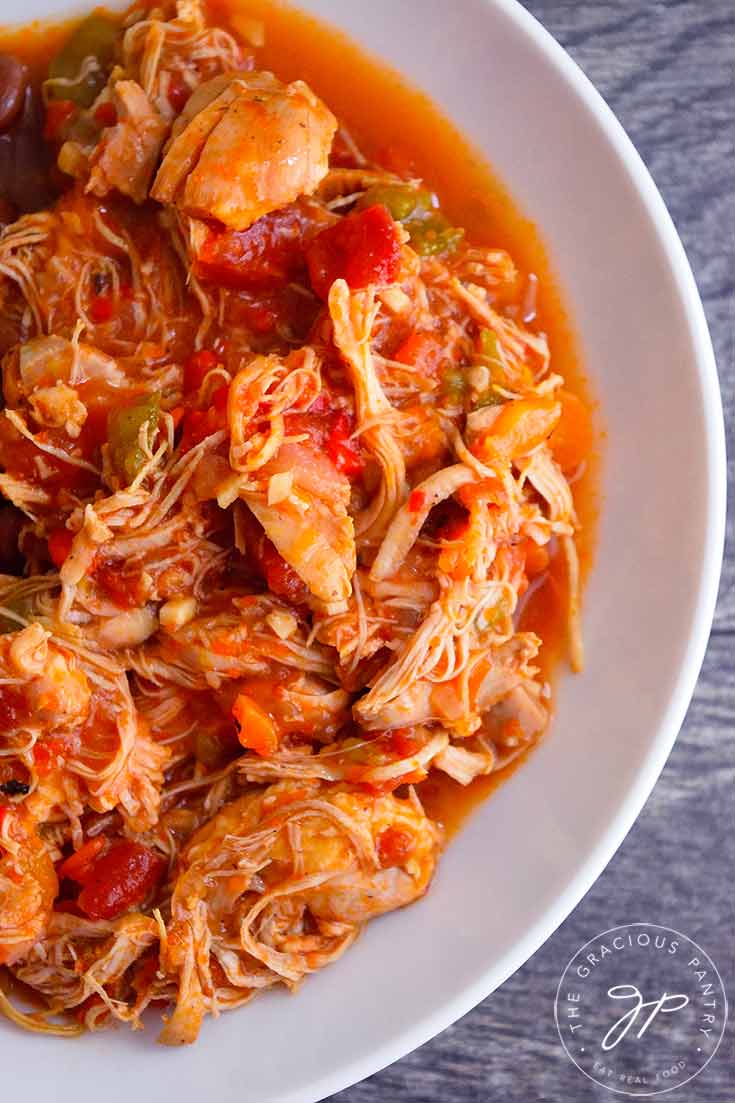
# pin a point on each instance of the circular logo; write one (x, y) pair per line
(640, 1009)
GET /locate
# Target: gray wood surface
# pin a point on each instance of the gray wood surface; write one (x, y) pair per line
(666, 69)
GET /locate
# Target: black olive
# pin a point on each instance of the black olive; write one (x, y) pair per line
(15, 788)
(13, 83)
(8, 212)
(11, 522)
(26, 160)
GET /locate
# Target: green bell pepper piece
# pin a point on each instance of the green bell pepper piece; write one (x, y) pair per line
(403, 201)
(95, 37)
(454, 386)
(123, 432)
(434, 235)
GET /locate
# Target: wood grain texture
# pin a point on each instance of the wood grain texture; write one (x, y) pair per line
(666, 69)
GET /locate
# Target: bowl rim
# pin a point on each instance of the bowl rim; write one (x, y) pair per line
(449, 1011)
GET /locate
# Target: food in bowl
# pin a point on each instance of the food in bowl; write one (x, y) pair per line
(286, 467)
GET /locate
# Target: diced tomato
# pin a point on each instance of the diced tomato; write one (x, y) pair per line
(394, 846)
(421, 350)
(106, 114)
(362, 248)
(122, 582)
(255, 729)
(416, 501)
(280, 578)
(58, 114)
(59, 545)
(195, 423)
(44, 758)
(219, 400)
(403, 741)
(13, 708)
(78, 866)
(316, 427)
(197, 367)
(199, 424)
(101, 309)
(178, 91)
(408, 352)
(268, 255)
(344, 452)
(118, 879)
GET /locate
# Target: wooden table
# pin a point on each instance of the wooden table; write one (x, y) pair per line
(666, 69)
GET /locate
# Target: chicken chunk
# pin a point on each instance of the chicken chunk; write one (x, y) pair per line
(293, 489)
(353, 314)
(278, 884)
(384, 762)
(88, 954)
(28, 886)
(228, 640)
(244, 146)
(59, 407)
(45, 690)
(127, 153)
(316, 538)
(38, 365)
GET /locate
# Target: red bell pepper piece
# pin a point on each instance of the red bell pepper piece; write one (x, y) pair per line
(343, 452)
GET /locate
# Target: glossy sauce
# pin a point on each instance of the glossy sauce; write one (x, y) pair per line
(414, 137)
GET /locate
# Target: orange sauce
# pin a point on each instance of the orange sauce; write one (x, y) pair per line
(36, 43)
(412, 133)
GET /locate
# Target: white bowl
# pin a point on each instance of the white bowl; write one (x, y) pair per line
(531, 852)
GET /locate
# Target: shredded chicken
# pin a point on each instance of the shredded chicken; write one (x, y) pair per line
(283, 469)
(353, 316)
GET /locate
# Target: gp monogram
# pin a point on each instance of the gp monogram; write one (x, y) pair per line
(640, 1009)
